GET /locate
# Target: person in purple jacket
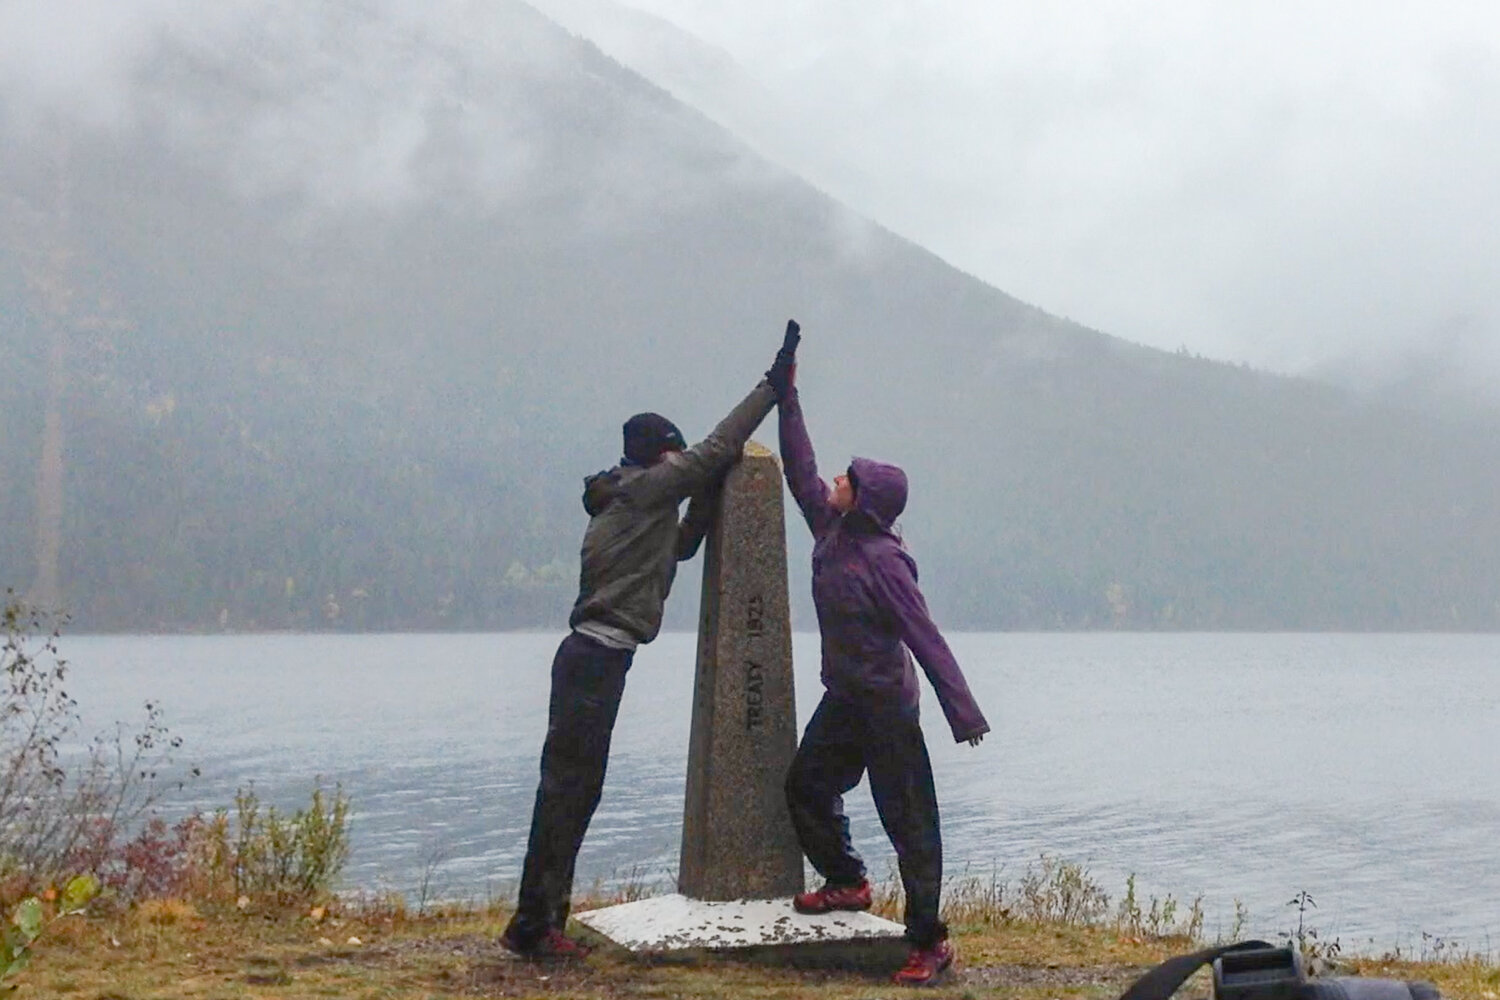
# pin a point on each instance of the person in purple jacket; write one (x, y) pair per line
(873, 619)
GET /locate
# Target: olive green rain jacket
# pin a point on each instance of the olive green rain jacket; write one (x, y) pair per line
(634, 540)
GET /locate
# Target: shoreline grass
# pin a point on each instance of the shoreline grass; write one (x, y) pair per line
(380, 949)
(1051, 936)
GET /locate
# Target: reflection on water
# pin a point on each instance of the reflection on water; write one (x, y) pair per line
(1360, 768)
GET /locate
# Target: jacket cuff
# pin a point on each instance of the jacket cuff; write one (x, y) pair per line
(980, 730)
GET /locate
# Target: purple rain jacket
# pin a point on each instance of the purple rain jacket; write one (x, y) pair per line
(870, 610)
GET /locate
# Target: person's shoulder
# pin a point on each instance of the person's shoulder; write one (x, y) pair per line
(641, 484)
(629, 478)
(889, 553)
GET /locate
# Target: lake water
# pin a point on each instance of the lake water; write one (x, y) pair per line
(1364, 769)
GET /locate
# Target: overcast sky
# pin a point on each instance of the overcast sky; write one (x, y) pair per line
(1293, 184)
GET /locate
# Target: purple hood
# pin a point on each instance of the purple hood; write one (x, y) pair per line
(881, 493)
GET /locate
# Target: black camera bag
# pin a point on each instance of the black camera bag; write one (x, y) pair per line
(1255, 970)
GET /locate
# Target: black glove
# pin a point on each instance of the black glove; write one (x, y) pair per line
(783, 371)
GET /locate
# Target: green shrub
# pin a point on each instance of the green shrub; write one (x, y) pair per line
(288, 858)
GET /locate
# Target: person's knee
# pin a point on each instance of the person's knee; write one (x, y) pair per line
(792, 787)
(799, 785)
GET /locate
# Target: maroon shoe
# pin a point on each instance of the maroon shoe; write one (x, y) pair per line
(834, 897)
(925, 966)
(552, 946)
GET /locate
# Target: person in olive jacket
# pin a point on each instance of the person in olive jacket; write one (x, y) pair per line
(629, 559)
(873, 620)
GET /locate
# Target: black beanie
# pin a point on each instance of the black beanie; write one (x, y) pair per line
(647, 435)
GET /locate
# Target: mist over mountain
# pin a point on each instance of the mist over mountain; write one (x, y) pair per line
(333, 307)
(1289, 186)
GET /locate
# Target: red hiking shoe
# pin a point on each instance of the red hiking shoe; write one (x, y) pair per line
(925, 966)
(553, 946)
(834, 897)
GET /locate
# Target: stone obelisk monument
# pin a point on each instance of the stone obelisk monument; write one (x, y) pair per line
(740, 862)
(737, 837)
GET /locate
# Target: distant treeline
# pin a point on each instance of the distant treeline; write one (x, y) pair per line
(241, 496)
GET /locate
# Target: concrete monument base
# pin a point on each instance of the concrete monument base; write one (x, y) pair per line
(678, 923)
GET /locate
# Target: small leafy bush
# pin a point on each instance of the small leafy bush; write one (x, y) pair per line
(1061, 892)
(288, 858)
(259, 855)
(1159, 920)
(63, 812)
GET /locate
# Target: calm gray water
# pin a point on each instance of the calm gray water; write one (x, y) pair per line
(1361, 768)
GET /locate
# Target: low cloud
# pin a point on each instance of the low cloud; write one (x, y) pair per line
(360, 104)
(1284, 184)
(1297, 186)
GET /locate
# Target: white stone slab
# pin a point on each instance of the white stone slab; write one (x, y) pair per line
(675, 922)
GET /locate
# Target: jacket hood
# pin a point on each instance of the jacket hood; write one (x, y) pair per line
(599, 489)
(881, 494)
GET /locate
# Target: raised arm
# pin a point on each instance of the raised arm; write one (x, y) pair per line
(801, 466)
(682, 473)
(897, 590)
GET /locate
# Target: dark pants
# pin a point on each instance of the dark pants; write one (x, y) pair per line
(841, 742)
(587, 681)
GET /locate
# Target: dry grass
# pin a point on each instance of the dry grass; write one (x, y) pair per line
(174, 951)
(1470, 978)
(170, 949)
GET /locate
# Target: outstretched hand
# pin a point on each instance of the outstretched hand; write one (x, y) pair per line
(793, 337)
(783, 372)
(974, 741)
